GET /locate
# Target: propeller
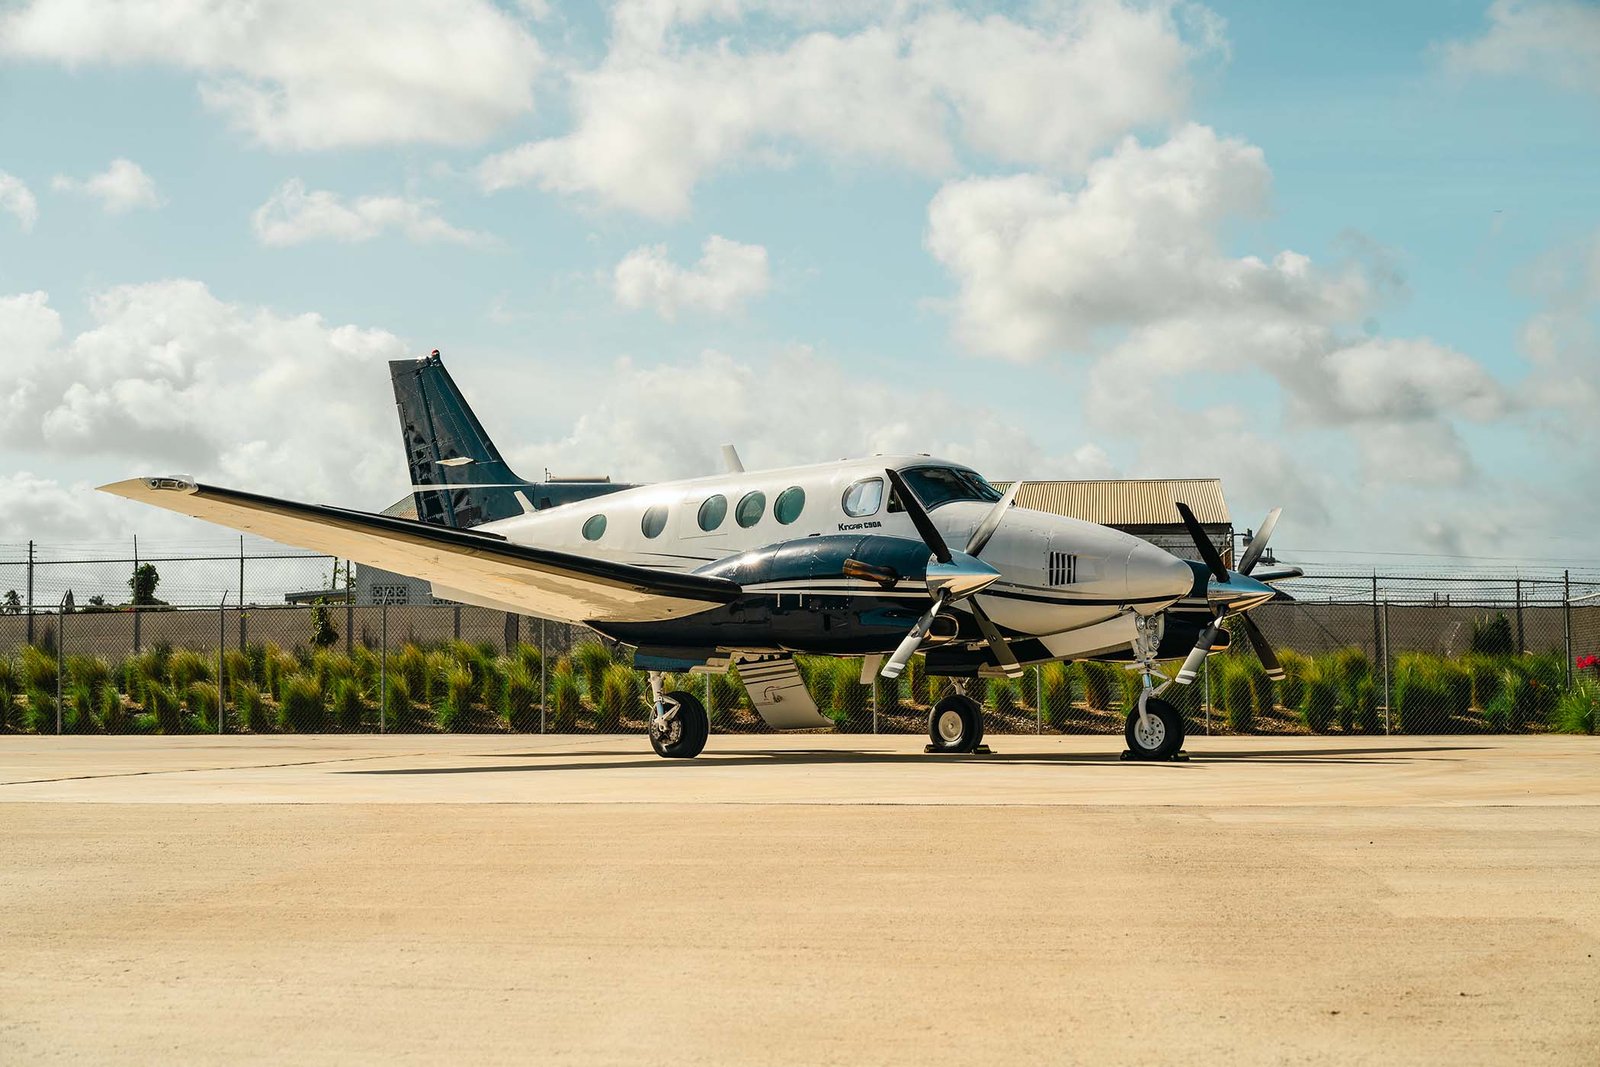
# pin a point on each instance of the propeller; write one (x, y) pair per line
(953, 576)
(1247, 562)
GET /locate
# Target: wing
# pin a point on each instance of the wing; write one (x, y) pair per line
(478, 566)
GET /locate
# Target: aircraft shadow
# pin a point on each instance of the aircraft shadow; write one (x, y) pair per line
(544, 762)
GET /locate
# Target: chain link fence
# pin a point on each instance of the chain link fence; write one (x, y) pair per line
(295, 653)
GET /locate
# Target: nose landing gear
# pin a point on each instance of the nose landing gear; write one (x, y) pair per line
(1154, 729)
(678, 724)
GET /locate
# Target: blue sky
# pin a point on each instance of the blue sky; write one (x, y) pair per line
(1346, 257)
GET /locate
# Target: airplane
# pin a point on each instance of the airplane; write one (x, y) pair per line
(886, 558)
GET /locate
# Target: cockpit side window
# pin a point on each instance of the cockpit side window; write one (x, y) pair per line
(863, 498)
(939, 485)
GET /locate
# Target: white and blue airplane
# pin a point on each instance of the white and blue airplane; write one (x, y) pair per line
(885, 558)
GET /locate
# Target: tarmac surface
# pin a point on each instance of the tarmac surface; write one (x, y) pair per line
(798, 900)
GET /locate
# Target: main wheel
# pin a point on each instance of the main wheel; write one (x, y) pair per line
(956, 724)
(1162, 735)
(679, 727)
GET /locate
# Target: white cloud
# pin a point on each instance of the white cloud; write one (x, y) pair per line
(120, 188)
(171, 378)
(17, 199)
(303, 74)
(728, 275)
(915, 90)
(292, 216)
(1555, 40)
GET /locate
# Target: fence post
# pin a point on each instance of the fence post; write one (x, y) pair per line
(1522, 644)
(30, 592)
(61, 646)
(1038, 700)
(1566, 621)
(349, 610)
(222, 644)
(1205, 691)
(383, 664)
(544, 659)
(137, 618)
(1387, 699)
(1377, 637)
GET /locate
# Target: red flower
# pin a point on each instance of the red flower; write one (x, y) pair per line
(1586, 662)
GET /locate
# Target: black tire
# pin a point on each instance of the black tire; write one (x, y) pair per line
(956, 724)
(1166, 731)
(685, 733)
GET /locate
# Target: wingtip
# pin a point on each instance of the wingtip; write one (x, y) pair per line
(154, 483)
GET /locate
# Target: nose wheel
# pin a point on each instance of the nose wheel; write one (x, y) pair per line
(1156, 735)
(678, 726)
(955, 724)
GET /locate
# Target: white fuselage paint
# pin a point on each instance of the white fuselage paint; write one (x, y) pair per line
(1111, 573)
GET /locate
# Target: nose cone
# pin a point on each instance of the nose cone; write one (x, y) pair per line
(1240, 592)
(1154, 574)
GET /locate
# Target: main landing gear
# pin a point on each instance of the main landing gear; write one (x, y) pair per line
(678, 726)
(956, 724)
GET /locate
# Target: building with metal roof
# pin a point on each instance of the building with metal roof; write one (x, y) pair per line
(1144, 507)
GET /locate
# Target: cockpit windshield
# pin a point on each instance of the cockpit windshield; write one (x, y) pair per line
(937, 485)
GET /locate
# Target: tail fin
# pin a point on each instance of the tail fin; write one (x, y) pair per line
(446, 446)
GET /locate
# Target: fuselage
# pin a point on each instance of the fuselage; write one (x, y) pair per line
(1057, 573)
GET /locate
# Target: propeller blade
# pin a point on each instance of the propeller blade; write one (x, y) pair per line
(1258, 543)
(919, 517)
(991, 521)
(997, 642)
(1197, 655)
(1269, 658)
(913, 639)
(1208, 551)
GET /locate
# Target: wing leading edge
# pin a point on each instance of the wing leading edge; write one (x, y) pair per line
(484, 567)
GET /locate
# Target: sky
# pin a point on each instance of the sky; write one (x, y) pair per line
(1345, 257)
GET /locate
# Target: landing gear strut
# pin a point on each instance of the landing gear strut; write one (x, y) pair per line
(1154, 730)
(678, 725)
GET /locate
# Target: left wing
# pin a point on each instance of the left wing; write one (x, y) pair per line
(484, 568)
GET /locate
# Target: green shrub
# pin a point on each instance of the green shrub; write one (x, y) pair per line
(1320, 700)
(849, 702)
(162, 704)
(187, 667)
(91, 672)
(1422, 699)
(78, 709)
(1457, 682)
(301, 708)
(479, 662)
(400, 712)
(1002, 698)
(1102, 684)
(37, 669)
(347, 704)
(1364, 706)
(886, 691)
(819, 675)
(454, 710)
(1238, 695)
(1058, 692)
(278, 667)
(520, 699)
(39, 710)
(590, 660)
(621, 695)
(566, 701)
(112, 712)
(1492, 636)
(1577, 710)
(529, 657)
(250, 708)
(1296, 667)
(917, 681)
(411, 666)
(726, 692)
(200, 701)
(1488, 677)
(1497, 714)
(9, 687)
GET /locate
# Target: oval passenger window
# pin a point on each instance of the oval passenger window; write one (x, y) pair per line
(594, 528)
(712, 512)
(791, 502)
(750, 509)
(654, 521)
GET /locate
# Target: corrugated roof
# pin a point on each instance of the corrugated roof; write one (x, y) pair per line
(1128, 502)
